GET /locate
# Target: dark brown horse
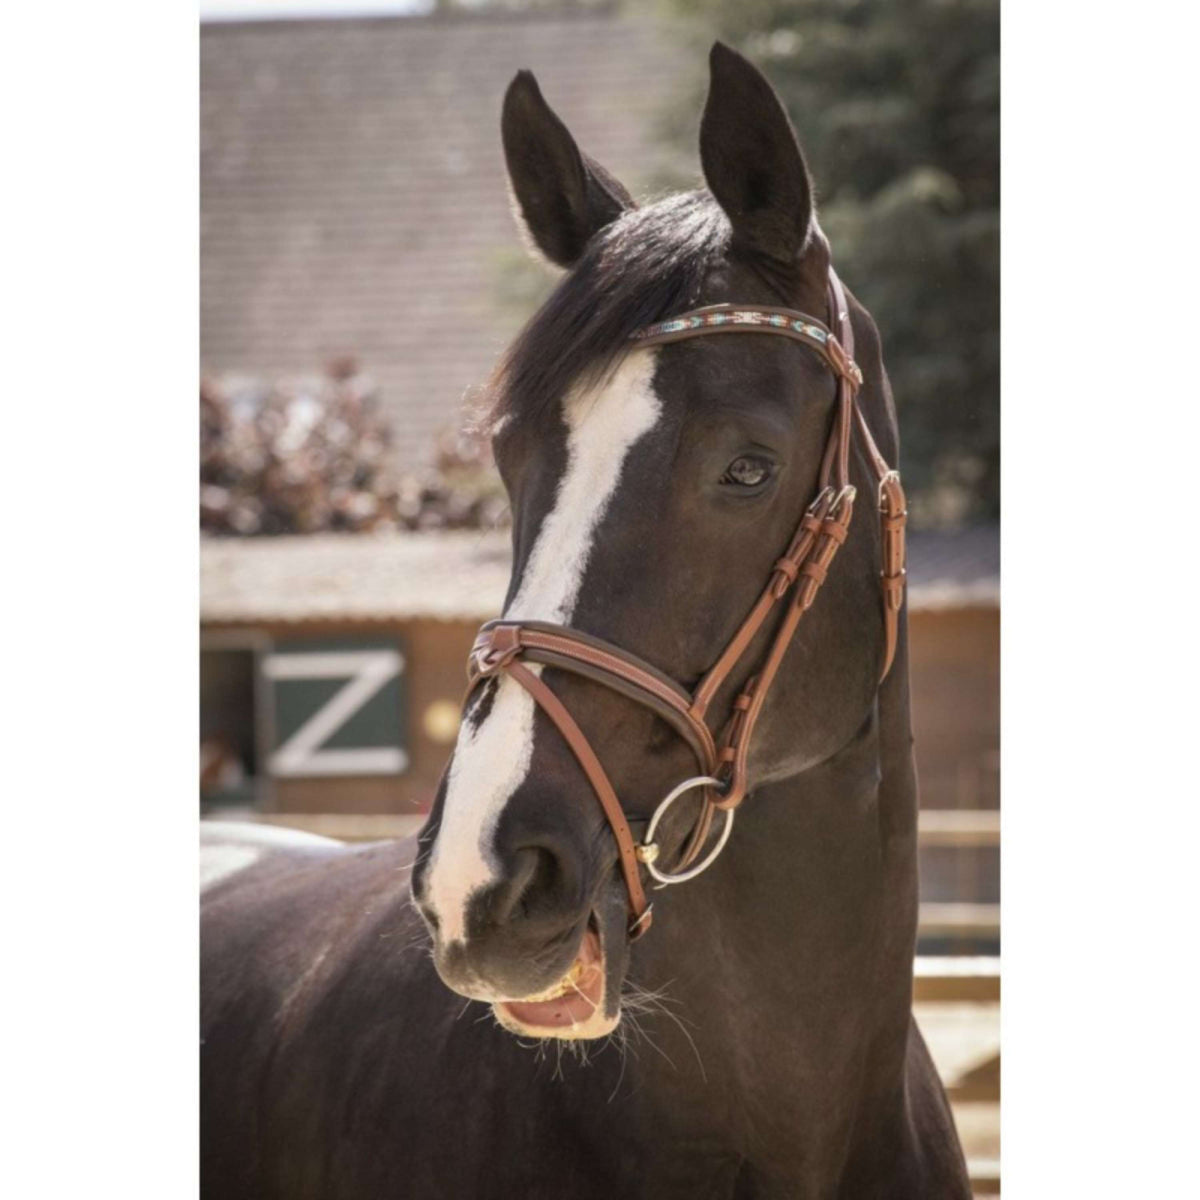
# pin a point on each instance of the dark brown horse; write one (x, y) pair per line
(758, 1040)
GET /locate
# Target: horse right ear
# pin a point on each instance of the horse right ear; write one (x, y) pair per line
(752, 160)
(562, 196)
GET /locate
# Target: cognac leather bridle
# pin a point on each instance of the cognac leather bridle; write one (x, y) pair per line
(506, 646)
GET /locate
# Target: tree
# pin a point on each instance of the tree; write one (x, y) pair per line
(897, 106)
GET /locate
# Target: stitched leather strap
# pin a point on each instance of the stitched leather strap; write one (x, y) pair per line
(755, 318)
(582, 654)
(554, 708)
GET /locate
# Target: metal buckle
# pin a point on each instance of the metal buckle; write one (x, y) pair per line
(648, 851)
(890, 477)
(843, 363)
(845, 496)
(827, 490)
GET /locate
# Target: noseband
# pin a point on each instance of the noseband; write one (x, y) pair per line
(506, 646)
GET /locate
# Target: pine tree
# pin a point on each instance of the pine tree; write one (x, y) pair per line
(896, 103)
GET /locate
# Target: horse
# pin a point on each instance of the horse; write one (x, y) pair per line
(489, 1010)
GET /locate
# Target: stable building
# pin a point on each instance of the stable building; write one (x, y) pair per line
(333, 666)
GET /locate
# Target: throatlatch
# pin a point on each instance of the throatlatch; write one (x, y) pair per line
(505, 646)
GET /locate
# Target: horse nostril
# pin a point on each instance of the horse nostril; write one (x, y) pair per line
(535, 871)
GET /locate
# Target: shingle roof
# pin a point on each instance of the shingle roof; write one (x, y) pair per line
(337, 576)
(461, 575)
(353, 196)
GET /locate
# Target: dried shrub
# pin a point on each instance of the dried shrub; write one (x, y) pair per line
(309, 456)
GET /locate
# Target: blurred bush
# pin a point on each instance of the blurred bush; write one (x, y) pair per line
(313, 456)
(897, 104)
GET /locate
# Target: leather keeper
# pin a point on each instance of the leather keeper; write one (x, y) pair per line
(893, 590)
(788, 567)
(814, 570)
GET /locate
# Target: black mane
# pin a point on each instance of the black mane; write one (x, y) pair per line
(646, 266)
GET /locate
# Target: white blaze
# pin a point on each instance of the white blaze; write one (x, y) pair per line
(492, 760)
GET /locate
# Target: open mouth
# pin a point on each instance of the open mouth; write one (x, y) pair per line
(573, 1007)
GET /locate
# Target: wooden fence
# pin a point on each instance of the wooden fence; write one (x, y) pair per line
(936, 828)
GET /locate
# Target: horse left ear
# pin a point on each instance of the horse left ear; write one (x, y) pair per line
(563, 196)
(752, 161)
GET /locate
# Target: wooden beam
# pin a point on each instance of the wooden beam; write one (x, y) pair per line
(985, 1176)
(950, 978)
(938, 827)
(981, 1082)
(944, 827)
(959, 827)
(959, 920)
(346, 827)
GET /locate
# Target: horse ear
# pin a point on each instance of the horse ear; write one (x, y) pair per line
(752, 161)
(562, 196)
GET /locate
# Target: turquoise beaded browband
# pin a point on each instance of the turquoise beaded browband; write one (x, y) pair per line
(730, 318)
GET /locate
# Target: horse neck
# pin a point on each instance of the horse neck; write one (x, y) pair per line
(808, 920)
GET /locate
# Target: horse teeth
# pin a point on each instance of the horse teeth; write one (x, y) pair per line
(560, 988)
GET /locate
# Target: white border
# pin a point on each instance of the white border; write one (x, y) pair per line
(288, 10)
(100, 113)
(1100, 628)
(1100, 561)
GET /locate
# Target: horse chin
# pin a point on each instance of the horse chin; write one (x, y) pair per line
(585, 1002)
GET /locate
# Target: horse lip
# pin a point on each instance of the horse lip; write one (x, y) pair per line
(577, 1005)
(588, 954)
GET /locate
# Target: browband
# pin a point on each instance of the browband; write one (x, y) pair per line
(754, 318)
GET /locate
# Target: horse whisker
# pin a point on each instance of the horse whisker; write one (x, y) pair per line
(643, 1001)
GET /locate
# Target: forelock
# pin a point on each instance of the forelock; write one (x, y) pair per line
(646, 266)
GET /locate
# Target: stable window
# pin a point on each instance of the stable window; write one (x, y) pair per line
(310, 724)
(336, 708)
(229, 760)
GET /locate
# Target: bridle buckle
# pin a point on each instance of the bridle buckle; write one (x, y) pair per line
(845, 496)
(827, 495)
(891, 479)
(493, 650)
(846, 367)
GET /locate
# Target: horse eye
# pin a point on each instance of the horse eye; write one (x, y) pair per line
(749, 470)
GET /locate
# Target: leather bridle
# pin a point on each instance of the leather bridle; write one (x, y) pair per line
(507, 646)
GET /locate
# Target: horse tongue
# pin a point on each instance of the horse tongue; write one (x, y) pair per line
(580, 1000)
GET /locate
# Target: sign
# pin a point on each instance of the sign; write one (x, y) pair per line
(337, 709)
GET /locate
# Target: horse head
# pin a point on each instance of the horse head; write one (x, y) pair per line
(653, 489)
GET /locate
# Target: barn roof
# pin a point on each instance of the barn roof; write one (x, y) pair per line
(353, 196)
(463, 575)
